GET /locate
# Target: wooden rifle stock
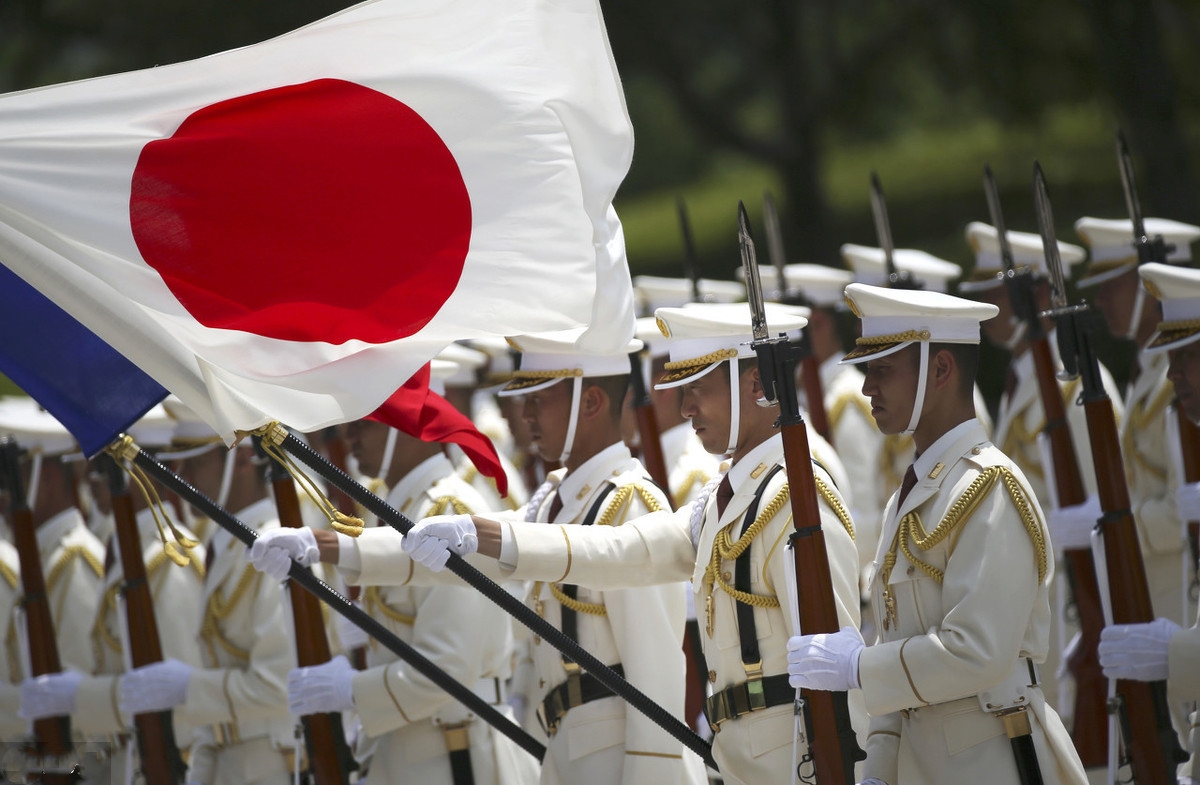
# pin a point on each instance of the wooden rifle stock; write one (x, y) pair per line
(814, 394)
(329, 758)
(1091, 688)
(159, 753)
(1152, 743)
(1189, 442)
(51, 735)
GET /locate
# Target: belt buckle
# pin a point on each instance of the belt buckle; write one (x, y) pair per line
(456, 735)
(574, 685)
(754, 687)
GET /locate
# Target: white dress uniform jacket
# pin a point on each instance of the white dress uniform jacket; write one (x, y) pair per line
(238, 701)
(12, 727)
(957, 618)
(73, 568)
(458, 629)
(1183, 686)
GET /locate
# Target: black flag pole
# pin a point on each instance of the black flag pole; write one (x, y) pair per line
(304, 578)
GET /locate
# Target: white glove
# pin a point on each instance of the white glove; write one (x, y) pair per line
(1136, 651)
(272, 553)
(1187, 501)
(828, 661)
(321, 688)
(350, 635)
(49, 695)
(431, 541)
(156, 687)
(1071, 527)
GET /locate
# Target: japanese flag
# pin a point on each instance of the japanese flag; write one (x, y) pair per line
(290, 230)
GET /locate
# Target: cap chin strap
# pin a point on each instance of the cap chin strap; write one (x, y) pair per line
(1135, 316)
(389, 452)
(1019, 329)
(735, 403)
(227, 476)
(35, 479)
(922, 379)
(569, 441)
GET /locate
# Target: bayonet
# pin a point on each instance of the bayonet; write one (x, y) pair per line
(1149, 249)
(883, 230)
(1020, 283)
(1063, 314)
(754, 293)
(689, 250)
(775, 245)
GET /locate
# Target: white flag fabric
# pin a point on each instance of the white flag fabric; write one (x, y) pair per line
(290, 230)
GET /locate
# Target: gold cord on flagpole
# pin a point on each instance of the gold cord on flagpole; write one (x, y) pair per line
(124, 450)
(273, 435)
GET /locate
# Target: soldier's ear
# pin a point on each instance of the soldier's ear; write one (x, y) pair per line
(593, 400)
(943, 367)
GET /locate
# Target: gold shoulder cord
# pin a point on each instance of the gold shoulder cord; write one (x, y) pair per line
(1141, 416)
(912, 530)
(442, 504)
(622, 497)
(9, 575)
(66, 558)
(846, 401)
(273, 436)
(219, 608)
(694, 478)
(101, 637)
(725, 549)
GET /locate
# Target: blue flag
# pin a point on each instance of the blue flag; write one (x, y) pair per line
(86, 384)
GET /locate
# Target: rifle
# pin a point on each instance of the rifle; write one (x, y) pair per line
(690, 270)
(157, 748)
(652, 451)
(810, 366)
(51, 735)
(329, 757)
(1091, 693)
(831, 740)
(1151, 746)
(897, 279)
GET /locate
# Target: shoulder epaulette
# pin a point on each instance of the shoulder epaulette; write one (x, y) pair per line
(9, 575)
(69, 555)
(847, 399)
(444, 504)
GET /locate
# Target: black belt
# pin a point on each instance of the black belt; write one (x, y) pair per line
(458, 747)
(578, 689)
(732, 702)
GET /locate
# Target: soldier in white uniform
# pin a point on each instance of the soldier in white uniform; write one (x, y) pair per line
(961, 590)
(1022, 418)
(238, 700)
(1133, 314)
(175, 591)
(573, 405)
(12, 727)
(1162, 649)
(418, 732)
(738, 526)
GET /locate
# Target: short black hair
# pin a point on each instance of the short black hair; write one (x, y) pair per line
(966, 357)
(614, 387)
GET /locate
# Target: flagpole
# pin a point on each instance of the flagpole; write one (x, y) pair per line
(515, 607)
(333, 599)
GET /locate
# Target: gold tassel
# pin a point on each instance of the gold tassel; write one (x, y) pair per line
(273, 436)
(124, 450)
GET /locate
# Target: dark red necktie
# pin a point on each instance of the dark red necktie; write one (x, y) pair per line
(556, 505)
(724, 494)
(910, 479)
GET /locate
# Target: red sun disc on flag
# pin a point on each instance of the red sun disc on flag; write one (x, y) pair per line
(324, 211)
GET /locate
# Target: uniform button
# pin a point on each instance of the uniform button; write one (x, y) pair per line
(712, 676)
(976, 450)
(541, 684)
(725, 576)
(911, 570)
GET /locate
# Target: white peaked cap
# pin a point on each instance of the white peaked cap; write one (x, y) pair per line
(34, 428)
(501, 357)
(652, 292)
(1178, 289)
(154, 429)
(870, 266)
(1027, 251)
(466, 362)
(823, 286)
(1112, 249)
(547, 358)
(442, 373)
(704, 334)
(191, 435)
(894, 318)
